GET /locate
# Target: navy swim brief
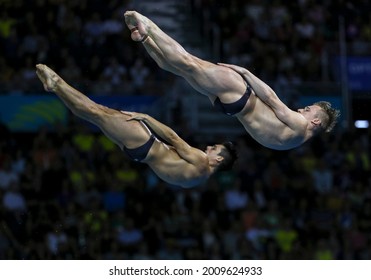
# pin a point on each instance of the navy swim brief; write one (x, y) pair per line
(231, 109)
(140, 153)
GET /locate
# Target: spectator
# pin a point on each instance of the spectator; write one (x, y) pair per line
(8, 176)
(13, 200)
(235, 197)
(322, 178)
(55, 238)
(138, 73)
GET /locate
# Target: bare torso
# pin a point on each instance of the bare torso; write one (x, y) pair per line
(262, 124)
(170, 167)
(259, 119)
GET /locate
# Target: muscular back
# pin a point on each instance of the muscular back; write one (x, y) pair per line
(170, 167)
(263, 125)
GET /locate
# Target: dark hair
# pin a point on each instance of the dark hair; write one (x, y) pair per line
(329, 117)
(229, 154)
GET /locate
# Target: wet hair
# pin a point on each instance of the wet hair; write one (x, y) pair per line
(329, 116)
(229, 154)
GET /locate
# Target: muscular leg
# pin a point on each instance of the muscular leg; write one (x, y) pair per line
(113, 123)
(208, 78)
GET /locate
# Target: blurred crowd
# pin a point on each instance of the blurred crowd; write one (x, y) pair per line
(68, 193)
(86, 42)
(74, 195)
(288, 41)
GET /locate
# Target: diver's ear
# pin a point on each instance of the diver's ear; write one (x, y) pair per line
(316, 122)
(219, 159)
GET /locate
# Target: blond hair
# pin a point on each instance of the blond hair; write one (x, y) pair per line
(329, 116)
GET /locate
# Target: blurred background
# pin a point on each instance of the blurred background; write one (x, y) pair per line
(67, 192)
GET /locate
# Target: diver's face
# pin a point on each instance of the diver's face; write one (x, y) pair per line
(310, 112)
(213, 151)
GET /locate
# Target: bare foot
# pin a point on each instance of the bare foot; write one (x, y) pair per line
(48, 77)
(138, 24)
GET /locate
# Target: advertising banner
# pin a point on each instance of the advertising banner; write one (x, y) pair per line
(29, 112)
